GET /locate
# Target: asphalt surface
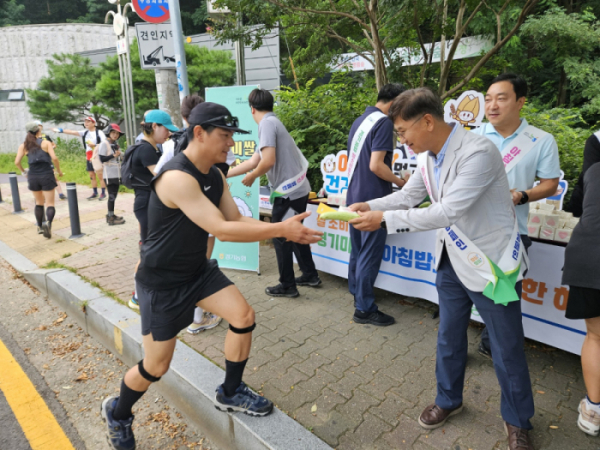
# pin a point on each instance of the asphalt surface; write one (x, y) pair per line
(4, 178)
(72, 374)
(12, 436)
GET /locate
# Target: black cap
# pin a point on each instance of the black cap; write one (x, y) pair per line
(216, 115)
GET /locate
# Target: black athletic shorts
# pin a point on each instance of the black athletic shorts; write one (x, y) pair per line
(89, 167)
(45, 182)
(166, 312)
(584, 303)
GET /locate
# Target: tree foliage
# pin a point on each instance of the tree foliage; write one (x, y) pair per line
(109, 86)
(68, 93)
(374, 29)
(74, 88)
(12, 13)
(568, 45)
(568, 128)
(319, 118)
(206, 68)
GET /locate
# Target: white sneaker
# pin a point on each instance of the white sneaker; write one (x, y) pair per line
(209, 321)
(133, 303)
(589, 420)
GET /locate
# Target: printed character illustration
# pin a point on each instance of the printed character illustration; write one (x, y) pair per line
(243, 207)
(329, 164)
(467, 111)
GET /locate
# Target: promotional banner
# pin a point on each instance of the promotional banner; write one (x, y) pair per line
(234, 255)
(408, 268)
(334, 168)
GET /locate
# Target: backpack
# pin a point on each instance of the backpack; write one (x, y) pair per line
(84, 136)
(128, 179)
(181, 141)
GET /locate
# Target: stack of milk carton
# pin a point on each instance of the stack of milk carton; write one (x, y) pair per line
(547, 223)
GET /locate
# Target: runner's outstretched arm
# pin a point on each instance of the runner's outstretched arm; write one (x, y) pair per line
(179, 190)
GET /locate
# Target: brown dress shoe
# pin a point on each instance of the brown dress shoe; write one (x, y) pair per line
(433, 416)
(518, 438)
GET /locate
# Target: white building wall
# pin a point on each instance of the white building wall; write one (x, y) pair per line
(24, 51)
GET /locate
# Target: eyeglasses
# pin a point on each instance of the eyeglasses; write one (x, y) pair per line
(401, 135)
(229, 121)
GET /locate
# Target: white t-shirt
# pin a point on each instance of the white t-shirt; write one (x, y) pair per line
(168, 153)
(91, 137)
(168, 149)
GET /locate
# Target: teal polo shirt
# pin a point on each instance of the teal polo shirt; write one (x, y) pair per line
(541, 162)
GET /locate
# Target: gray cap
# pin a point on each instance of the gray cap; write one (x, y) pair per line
(32, 127)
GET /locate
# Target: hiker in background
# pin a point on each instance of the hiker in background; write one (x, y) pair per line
(45, 137)
(40, 176)
(91, 137)
(110, 156)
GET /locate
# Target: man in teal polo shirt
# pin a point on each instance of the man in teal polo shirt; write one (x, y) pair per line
(528, 153)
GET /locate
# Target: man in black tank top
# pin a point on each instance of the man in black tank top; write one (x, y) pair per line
(190, 199)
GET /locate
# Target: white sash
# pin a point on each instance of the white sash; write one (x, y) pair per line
(523, 144)
(358, 141)
(469, 252)
(291, 184)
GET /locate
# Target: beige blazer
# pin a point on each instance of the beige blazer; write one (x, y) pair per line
(473, 194)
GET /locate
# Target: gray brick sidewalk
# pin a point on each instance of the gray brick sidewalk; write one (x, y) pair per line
(354, 386)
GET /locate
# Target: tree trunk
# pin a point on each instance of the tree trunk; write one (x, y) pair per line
(562, 89)
(443, 38)
(380, 69)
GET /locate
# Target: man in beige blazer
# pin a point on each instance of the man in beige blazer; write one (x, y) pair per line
(479, 255)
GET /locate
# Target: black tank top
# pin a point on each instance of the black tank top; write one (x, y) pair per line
(175, 251)
(40, 162)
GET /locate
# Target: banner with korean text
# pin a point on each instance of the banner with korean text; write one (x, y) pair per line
(233, 255)
(408, 268)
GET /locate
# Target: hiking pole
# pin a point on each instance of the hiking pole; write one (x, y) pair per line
(73, 211)
(14, 190)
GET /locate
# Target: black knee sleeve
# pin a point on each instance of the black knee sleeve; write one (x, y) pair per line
(242, 330)
(145, 374)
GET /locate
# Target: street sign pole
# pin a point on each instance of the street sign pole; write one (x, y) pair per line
(129, 79)
(182, 76)
(121, 29)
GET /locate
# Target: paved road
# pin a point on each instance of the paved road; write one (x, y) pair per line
(356, 387)
(46, 359)
(4, 178)
(30, 415)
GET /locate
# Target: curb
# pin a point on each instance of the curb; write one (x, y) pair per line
(192, 379)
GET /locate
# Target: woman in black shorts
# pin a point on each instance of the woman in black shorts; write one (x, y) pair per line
(157, 127)
(40, 176)
(582, 275)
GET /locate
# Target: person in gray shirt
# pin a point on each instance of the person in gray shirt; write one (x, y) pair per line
(285, 166)
(110, 156)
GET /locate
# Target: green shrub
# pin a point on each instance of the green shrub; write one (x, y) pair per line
(319, 119)
(566, 125)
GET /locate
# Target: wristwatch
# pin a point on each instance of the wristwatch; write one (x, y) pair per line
(524, 198)
(383, 224)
